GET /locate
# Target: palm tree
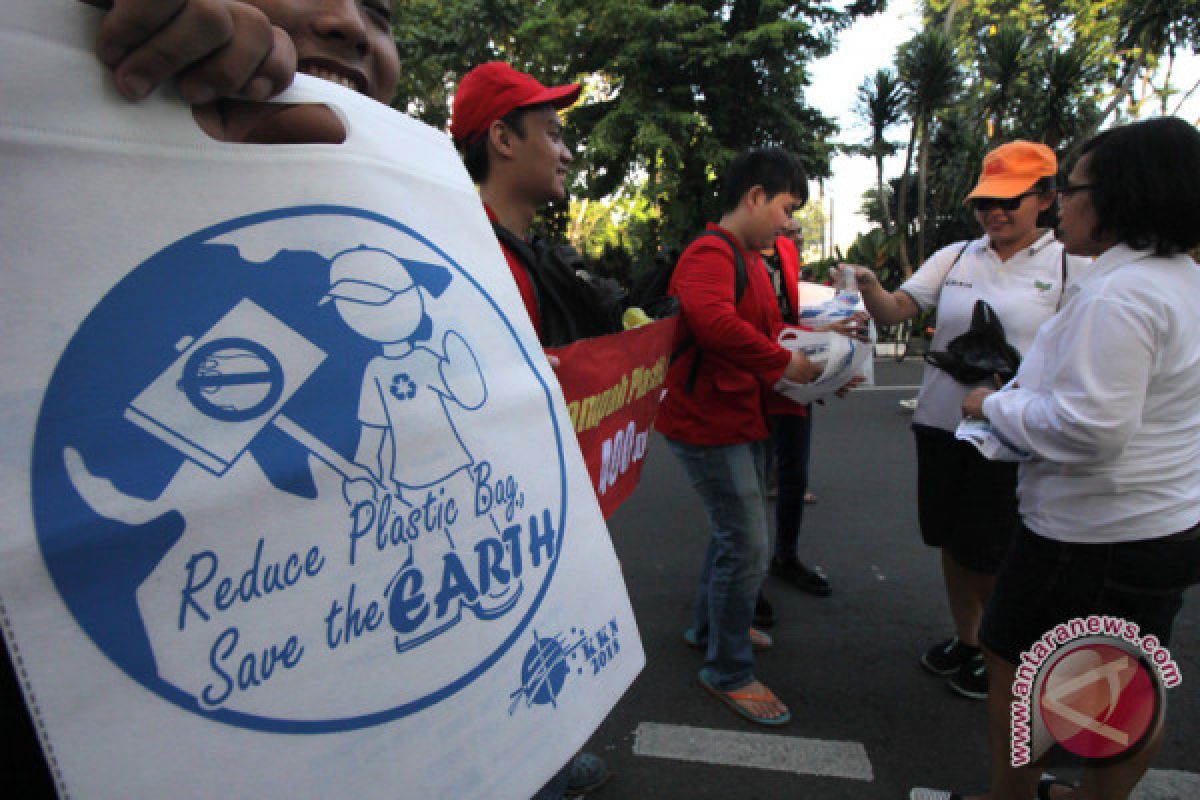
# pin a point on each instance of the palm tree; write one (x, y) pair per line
(1001, 64)
(1060, 105)
(880, 104)
(930, 74)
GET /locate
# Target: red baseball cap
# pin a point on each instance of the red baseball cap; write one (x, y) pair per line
(491, 90)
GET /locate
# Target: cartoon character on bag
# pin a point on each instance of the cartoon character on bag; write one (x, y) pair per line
(379, 297)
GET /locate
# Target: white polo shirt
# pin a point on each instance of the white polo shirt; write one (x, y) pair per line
(1109, 404)
(1024, 290)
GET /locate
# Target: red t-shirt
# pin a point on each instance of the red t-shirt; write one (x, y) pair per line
(520, 274)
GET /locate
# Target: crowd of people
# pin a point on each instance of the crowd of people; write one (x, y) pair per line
(1103, 517)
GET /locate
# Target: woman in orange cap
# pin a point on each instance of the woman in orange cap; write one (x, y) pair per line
(966, 504)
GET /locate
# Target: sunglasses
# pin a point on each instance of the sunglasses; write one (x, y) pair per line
(1002, 203)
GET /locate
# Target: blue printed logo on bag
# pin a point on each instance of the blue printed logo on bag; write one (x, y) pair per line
(281, 449)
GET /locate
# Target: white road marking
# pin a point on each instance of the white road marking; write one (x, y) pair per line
(758, 750)
(858, 389)
(1167, 784)
(878, 573)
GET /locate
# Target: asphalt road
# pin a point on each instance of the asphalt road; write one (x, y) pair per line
(846, 665)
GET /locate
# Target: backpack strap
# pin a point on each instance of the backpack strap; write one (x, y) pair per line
(526, 255)
(953, 264)
(740, 279)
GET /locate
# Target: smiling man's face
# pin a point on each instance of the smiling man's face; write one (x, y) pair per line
(348, 42)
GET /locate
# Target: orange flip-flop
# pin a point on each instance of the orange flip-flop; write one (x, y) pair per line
(735, 698)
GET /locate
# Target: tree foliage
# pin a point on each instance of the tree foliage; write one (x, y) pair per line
(674, 89)
(1052, 71)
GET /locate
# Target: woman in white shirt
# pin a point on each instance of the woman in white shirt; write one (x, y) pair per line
(966, 504)
(1106, 403)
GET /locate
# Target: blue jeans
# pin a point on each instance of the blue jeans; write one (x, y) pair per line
(731, 483)
(791, 440)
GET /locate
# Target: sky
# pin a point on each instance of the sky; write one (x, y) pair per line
(869, 45)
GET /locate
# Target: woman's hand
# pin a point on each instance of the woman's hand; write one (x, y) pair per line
(865, 278)
(972, 405)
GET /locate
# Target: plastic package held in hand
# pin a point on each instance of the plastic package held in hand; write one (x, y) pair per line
(840, 357)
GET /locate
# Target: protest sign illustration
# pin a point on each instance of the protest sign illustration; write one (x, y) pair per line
(296, 459)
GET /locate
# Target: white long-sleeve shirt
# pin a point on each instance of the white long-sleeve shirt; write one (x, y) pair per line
(1109, 404)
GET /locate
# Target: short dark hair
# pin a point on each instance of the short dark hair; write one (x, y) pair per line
(1049, 217)
(1145, 184)
(475, 154)
(773, 168)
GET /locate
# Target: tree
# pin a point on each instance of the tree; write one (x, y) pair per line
(880, 103)
(673, 89)
(1062, 105)
(930, 73)
(681, 87)
(1002, 66)
(439, 40)
(1147, 29)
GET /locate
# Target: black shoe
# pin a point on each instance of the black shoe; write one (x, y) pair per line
(971, 679)
(1047, 783)
(764, 613)
(945, 658)
(806, 580)
(587, 773)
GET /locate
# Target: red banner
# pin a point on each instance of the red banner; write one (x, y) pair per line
(613, 386)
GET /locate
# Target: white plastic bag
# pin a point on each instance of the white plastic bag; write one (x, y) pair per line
(840, 358)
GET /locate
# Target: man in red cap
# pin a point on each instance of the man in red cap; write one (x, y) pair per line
(506, 125)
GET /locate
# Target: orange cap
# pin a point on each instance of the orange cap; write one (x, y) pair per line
(1012, 169)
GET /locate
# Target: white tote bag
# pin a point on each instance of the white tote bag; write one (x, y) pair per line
(292, 503)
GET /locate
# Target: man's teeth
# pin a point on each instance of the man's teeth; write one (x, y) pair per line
(326, 75)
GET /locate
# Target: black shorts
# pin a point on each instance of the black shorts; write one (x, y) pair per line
(1045, 583)
(965, 503)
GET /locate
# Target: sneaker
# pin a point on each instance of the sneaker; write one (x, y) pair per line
(945, 658)
(806, 580)
(971, 679)
(587, 773)
(764, 612)
(909, 404)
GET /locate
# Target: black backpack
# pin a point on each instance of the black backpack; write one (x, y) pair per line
(650, 288)
(573, 303)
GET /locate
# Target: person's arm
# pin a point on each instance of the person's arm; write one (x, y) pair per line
(1092, 404)
(887, 308)
(704, 283)
(216, 48)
